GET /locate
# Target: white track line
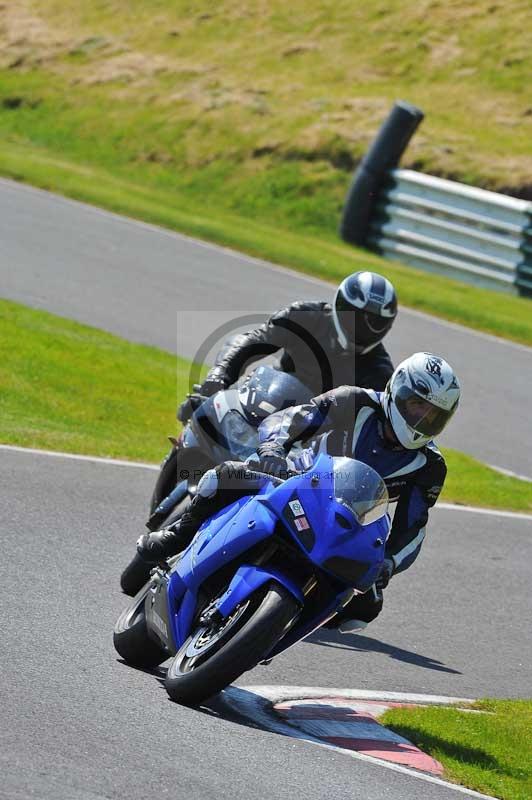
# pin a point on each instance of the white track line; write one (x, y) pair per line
(492, 512)
(155, 467)
(254, 703)
(281, 694)
(510, 473)
(75, 457)
(238, 255)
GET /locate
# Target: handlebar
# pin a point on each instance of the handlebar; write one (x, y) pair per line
(196, 399)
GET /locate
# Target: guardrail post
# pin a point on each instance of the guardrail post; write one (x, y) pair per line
(523, 277)
(383, 155)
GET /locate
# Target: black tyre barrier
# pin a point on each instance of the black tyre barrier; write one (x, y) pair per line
(383, 155)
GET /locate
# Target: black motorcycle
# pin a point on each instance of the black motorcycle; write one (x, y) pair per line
(222, 428)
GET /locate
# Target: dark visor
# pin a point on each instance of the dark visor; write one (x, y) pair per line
(359, 326)
(419, 414)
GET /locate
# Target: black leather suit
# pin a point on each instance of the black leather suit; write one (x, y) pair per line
(305, 333)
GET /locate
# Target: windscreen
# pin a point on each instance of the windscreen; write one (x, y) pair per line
(360, 489)
(241, 437)
(223, 430)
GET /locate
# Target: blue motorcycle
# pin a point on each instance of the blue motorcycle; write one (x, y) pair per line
(258, 577)
(222, 428)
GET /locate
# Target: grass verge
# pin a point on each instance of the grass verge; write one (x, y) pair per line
(490, 752)
(471, 482)
(70, 387)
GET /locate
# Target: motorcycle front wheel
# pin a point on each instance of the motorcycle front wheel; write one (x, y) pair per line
(215, 655)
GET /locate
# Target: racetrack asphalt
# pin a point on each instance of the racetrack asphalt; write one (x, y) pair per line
(77, 724)
(156, 287)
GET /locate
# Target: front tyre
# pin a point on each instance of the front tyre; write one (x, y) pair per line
(131, 639)
(214, 656)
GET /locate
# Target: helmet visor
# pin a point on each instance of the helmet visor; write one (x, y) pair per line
(419, 414)
(360, 327)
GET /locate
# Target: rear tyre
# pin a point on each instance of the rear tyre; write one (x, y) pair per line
(135, 575)
(131, 639)
(212, 658)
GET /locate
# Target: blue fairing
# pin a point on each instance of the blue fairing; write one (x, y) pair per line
(217, 543)
(327, 533)
(345, 538)
(247, 580)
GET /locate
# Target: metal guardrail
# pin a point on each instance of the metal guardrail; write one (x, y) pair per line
(454, 229)
(438, 225)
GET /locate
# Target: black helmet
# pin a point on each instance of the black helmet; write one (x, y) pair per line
(268, 390)
(364, 308)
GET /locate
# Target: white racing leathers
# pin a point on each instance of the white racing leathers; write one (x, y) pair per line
(349, 421)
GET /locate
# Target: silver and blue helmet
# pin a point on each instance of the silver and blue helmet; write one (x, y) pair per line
(420, 398)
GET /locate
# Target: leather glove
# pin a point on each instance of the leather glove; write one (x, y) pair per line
(211, 385)
(148, 548)
(272, 459)
(386, 573)
(156, 547)
(188, 406)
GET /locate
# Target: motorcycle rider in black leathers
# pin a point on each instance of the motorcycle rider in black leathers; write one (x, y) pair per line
(390, 431)
(324, 344)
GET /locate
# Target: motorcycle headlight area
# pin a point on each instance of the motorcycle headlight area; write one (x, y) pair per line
(360, 489)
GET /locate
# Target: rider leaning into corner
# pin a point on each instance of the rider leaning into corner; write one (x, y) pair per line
(392, 431)
(324, 344)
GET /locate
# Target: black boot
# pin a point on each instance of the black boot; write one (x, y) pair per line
(154, 548)
(358, 613)
(161, 545)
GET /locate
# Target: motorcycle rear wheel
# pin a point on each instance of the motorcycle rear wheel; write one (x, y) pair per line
(211, 659)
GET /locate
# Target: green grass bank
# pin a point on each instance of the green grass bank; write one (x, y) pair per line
(69, 387)
(490, 752)
(242, 124)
